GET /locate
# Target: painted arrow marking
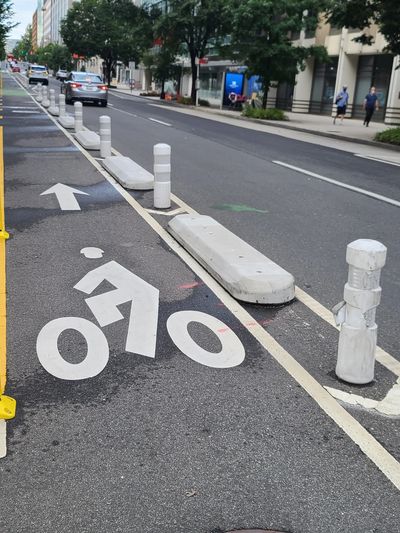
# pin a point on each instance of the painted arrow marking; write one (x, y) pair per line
(65, 196)
(390, 405)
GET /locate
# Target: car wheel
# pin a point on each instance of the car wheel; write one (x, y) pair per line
(103, 104)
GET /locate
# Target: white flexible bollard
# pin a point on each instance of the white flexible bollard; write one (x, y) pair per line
(356, 315)
(61, 105)
(162, 176)
(39, 97)
(105, 136)
(53, 109)
(78, 111)
(46, 101)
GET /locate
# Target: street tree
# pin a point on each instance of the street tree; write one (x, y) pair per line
(55, 56)
(363, 13)
(110, 29)
(6, 24)
(196, 24)
(24, 49)
(261, 37)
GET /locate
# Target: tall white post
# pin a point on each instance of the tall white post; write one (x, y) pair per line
(46, 101)
(162, 176)
(61, 105)
(39, 97)
(78, 116)
(362, 294)
(52, 98)
(105, 136)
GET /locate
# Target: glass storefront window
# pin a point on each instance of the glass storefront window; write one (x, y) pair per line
(323, 89)
(373, 70)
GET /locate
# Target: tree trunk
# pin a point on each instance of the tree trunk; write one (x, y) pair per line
(265, 94)
(108, 67)
(162, 95)
(194, 77)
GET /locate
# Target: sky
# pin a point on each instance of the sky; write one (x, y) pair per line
(23, 10)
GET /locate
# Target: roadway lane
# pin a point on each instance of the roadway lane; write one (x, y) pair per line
(377, 177)
(164, 445)
(307, 223)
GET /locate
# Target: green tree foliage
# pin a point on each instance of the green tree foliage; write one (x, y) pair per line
(6, 14)
(112, 29)
(23, 49)
(55, 56)
(363, 13)
(261, 37)
(195, 24)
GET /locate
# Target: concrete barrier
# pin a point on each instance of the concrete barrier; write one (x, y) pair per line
(243, 271)
(128, 173)
(66, 120)
(88, 139)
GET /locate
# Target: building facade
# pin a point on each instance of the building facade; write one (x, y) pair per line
(34, 32)
(314, 90)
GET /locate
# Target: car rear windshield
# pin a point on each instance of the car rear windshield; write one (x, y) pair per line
(88, 78)
(38, 69)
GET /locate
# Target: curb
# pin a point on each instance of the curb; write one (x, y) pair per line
(376, 144)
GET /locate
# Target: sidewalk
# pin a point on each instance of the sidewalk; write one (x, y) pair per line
(351, 129)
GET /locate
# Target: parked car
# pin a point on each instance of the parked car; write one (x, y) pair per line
(86, 87)
(38, 74)
(61, 74)
(15, 68)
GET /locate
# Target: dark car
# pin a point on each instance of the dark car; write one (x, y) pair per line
(85, 87)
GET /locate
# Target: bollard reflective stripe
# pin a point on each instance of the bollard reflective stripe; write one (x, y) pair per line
(356, 315)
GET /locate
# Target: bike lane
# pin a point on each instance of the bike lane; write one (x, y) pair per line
(157, 442)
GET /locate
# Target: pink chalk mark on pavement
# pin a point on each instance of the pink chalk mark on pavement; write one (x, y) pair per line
(189, 285)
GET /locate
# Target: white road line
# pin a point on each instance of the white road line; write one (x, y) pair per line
(18, 107)
(125, 112)
(3, 438)
(384, 358)
(385, 462)
(340, 184)
(27, 112)
(378, 159)
(160, 122)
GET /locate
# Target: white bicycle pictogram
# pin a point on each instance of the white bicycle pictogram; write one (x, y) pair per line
(142, 327)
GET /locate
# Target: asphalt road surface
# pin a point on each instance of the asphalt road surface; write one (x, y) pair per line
(151, 436)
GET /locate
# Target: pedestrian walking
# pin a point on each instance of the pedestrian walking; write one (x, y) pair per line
(371, 103)
(341, 103)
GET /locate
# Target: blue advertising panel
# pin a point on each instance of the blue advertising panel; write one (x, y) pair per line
(233, 84)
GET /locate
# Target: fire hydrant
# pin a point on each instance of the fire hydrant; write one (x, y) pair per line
(356, 314)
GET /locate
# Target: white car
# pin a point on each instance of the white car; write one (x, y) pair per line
(38, 74)
(61, 74)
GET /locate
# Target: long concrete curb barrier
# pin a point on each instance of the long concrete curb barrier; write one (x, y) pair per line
(129, 174)
(88, 139)
(243, 271)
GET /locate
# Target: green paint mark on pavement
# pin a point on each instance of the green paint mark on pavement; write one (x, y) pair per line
(13, 92)
(239, 208)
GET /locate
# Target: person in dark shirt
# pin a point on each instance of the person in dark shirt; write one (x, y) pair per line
(370, 104)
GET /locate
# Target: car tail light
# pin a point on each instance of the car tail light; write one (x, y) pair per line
(76, 85)
(103, 87)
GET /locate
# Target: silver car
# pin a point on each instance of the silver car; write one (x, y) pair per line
(86, 87)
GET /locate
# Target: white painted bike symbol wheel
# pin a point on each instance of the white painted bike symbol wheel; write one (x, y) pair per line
(49, 355)
(232, 352)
